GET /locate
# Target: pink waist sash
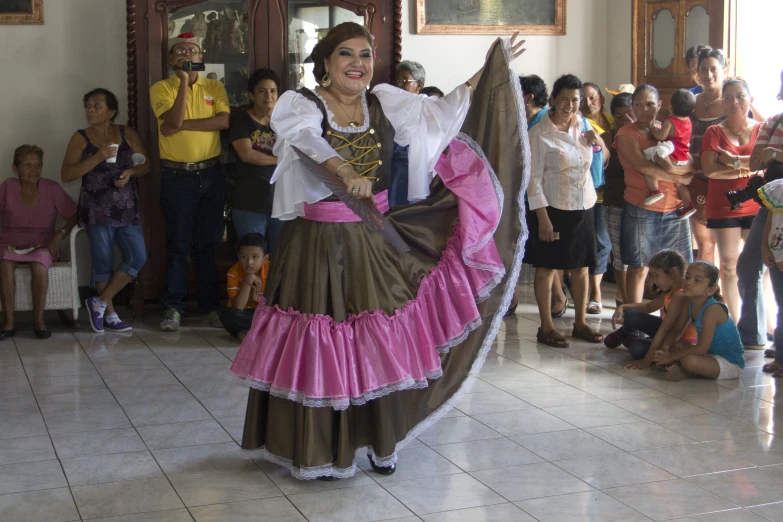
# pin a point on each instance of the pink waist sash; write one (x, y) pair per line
(338, 212)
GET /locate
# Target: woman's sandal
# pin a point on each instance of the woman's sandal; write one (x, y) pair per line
(562, 312)
(594, 308)
(772, 367)
(552, 338)
(586, 334)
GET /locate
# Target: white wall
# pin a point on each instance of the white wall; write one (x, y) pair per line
(759, 60)
(618, 45)
(452, 59)
(46, 69)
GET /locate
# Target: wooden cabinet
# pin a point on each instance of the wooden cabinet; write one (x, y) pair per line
(238, 36)
(663, 30)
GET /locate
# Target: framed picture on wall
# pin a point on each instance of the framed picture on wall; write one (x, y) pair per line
(14, 12)
(491, 16)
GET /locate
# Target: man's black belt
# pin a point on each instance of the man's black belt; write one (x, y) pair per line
(201, 165)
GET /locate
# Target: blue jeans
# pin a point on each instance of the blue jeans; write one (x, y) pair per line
(246, 222)
(646, 232)
(750, 271)
(130, 241)
(398, 184)
(777, 288)
(603, 241)
(634, 323)
(193, 204)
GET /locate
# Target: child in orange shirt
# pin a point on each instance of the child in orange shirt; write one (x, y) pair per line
(245, 281)
(668, 271)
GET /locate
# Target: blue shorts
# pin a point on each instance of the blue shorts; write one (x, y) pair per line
(130, 241)
(644, 233)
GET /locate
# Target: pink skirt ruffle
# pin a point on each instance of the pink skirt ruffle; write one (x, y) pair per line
(313, 360)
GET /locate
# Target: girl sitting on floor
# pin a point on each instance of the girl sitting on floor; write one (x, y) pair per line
(667, 268)
(718, 354)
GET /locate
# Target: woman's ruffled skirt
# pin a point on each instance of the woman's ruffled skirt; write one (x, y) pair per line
(359, 345)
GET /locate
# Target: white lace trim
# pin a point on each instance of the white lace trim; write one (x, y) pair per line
(460, 338)
(349, 130)
(383, 462)
(508, 294)
(328, 470)
(342, 403)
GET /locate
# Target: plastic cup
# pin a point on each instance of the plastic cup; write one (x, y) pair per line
(138, 159)
(113, 159)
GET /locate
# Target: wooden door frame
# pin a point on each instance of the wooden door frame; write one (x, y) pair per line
(145, 28)
(723, 32)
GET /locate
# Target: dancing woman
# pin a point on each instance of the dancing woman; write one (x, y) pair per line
(357, 343)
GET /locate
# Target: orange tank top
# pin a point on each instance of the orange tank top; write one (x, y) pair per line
(690, 332)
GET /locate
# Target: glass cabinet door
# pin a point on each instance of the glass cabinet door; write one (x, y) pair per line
(308, 22)
(222, 29)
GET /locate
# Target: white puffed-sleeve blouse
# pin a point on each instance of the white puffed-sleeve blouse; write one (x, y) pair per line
(426, 124)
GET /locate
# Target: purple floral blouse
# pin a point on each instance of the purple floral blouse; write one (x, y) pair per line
(100, 202)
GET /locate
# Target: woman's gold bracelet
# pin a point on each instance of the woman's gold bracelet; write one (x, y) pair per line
(337, 172)
(471, 88)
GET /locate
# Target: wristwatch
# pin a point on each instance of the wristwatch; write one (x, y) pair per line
(737, 163)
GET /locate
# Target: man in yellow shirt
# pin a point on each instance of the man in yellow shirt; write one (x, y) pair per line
(191, 112)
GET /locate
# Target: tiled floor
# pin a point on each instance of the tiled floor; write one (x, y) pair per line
(144, 428)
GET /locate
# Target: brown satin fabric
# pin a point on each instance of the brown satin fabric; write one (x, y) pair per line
(338, 269)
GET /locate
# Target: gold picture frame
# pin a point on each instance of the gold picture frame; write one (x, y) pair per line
(21, 12)
(483, 17)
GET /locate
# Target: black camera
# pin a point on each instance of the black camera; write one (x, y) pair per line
(748, 192)
(190, 66)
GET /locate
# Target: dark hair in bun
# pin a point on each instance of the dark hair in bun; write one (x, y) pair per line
(337, 35)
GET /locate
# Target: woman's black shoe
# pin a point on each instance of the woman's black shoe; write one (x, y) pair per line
(382, 470)
(7, 333)
(327, 478)
(42, 334)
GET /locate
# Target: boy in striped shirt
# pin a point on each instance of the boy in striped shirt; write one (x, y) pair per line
(245, 282)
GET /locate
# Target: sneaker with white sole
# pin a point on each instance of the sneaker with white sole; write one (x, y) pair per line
(95, 313)
(653, 197)
(113, 323)
(171, 320)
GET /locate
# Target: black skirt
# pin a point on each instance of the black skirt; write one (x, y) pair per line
(576, 247)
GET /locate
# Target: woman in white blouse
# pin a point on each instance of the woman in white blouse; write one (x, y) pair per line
(355, 343)
(561, 193)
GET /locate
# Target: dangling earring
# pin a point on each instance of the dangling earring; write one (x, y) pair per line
(326, 81)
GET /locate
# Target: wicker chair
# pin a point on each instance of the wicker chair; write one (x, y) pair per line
(63, 293)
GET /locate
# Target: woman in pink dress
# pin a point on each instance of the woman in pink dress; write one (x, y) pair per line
(29, 206)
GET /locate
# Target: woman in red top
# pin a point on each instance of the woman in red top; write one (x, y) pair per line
(725, 159)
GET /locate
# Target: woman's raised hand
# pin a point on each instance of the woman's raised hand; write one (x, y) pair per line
(516, 47)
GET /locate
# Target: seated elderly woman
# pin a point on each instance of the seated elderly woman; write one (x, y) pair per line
(410, 77)
(102, 157)
(29, 206)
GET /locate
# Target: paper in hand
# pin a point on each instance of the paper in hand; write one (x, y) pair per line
(362, 207)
